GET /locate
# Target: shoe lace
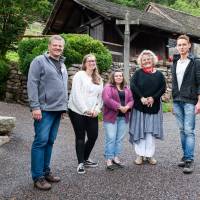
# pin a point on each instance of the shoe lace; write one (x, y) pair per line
(81, 166)
(187, 164)
(42, 181)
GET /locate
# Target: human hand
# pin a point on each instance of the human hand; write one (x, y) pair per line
(63, 115)
(150, 101)
(37, 115)
(122, 109)
(197, 108)
(144, 101)
(88, 113)
(94, 113)
(126, 108)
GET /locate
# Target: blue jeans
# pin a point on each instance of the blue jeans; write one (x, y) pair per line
(185, 115)
(45, 134)
(114, 134)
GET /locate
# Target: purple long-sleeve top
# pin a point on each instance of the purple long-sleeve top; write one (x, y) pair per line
(112, 103)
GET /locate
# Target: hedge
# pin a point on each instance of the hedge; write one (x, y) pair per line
(4, 72)
(76, 47)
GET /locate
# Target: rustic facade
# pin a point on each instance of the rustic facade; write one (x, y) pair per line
(151, 29)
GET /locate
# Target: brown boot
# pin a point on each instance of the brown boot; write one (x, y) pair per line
(42, 184)
(152, 161)
(51, 178)
(139, 160)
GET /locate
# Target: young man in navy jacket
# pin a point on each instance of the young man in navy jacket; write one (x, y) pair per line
(186, 98)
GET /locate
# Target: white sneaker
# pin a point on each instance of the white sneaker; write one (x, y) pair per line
(90, 163)
(81, 169)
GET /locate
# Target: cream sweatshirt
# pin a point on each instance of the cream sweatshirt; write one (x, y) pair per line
(85, 95)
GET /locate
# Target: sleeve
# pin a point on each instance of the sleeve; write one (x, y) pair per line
(162, 88)
(133, 85)
(108, 100)
(197, 68)
(33, 84)
(99, 99)
(77, 93)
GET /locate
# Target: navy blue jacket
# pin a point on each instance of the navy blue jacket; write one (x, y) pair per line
(190, 87)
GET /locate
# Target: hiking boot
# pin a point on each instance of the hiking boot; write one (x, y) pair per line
(189, 167)
(90, 163)
(152, 161)
(42, 184)
(81, 169)
(51, 178)
(139, 160)
(182, 162)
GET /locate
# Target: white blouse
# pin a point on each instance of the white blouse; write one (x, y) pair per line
(85, 95)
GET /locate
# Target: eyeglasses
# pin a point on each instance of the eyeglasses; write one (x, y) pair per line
(91, 61)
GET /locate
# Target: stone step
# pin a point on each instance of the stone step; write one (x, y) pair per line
(4, 140)
(6, 124)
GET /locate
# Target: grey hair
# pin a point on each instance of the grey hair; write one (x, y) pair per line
(56, 37)
(150, 53)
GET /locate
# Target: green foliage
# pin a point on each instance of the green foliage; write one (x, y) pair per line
(15, 16)
(191, 7)
(4, 72)
(188, 6)
(76, 47)
(28, 50)
(167, 107)
(12, 56)
(100, 116)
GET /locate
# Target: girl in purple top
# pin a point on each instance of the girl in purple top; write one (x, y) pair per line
(118, 101)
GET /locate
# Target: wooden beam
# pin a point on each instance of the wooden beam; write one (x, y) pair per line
(119, 32)
(133, 36)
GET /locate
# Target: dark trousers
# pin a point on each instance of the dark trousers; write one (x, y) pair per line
(82, 125)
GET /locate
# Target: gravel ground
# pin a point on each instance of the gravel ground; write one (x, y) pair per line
(163, 181)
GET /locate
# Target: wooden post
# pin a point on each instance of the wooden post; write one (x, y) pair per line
(126, 48)
(127, 23)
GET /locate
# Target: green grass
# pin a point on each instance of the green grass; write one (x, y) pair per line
(12, 56)
(35, 28)
(167, 107)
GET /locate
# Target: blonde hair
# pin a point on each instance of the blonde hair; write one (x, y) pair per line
(96, 78)
(56, 37)
(150, 53)
(185, 37)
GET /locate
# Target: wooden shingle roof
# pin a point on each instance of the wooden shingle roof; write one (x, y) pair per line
(111, 11)
(188, 24)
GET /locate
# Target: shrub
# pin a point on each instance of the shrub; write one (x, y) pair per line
(28, 50)
(4, 72)
(167, 107)
(75, 48)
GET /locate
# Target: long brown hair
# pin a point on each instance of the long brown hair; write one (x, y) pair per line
(112, 79)
(96, 78)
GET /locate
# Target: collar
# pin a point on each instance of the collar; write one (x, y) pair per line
(176, 57)
(62, 58)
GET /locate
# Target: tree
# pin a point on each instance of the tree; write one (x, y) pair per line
(188, 6)
(141, 4)
(15, 15)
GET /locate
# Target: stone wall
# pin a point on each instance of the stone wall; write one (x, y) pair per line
(16, 86)
(16, 90)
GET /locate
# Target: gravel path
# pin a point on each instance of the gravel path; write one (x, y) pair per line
(163, 181)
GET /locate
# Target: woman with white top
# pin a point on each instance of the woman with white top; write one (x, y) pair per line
(85, 103)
